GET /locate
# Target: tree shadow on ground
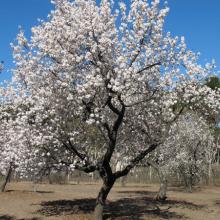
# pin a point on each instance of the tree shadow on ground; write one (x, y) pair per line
(30, 191)
(60, 207)
(133, 186)
(143, 193)
(7, 217)
(217, 202)
(123, 209)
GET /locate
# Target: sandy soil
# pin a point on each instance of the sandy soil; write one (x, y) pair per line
(133, 202)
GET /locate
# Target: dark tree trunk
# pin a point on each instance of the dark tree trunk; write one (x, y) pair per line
(7, 178)
(102, 196)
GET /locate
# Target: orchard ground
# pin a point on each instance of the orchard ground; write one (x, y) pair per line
(25, 201)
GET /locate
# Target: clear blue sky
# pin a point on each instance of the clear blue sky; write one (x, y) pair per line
(197, 20)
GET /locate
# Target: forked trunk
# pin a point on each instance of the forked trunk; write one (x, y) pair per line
(101, 199)
(7, 178)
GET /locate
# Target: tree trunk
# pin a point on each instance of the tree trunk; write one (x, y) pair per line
(218, 159)
(49, 176)
(190, 183)
(101, 199)
(210, 173)
(123, 181)
(7, 178)
(161, 195)
(150, 174)
(78, 177)
(50, 179)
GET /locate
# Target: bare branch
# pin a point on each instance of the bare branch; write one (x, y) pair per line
(136, 160)
(86, 169)
(148, 67)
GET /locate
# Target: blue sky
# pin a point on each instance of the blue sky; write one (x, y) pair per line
(197, 20)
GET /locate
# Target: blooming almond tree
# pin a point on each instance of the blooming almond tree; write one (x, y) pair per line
(115, 73)
(14, 146)
(189, 150)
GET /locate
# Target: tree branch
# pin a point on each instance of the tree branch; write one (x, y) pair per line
(110, 105)
(86, 169)
(136, 160)
(148, 67)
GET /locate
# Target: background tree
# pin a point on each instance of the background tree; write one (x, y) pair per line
(14, 137)
(213, 82)
(189, 150)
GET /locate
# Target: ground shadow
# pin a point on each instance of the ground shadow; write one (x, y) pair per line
(143, 193)
(7, 217)
(217, 202)
(150, 198)
(133, 186)
(60, 207)
(28, 219)
(30, 191)
(137, 208)
(123, 209)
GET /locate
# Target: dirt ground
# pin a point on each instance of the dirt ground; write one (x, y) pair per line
(133, 202)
